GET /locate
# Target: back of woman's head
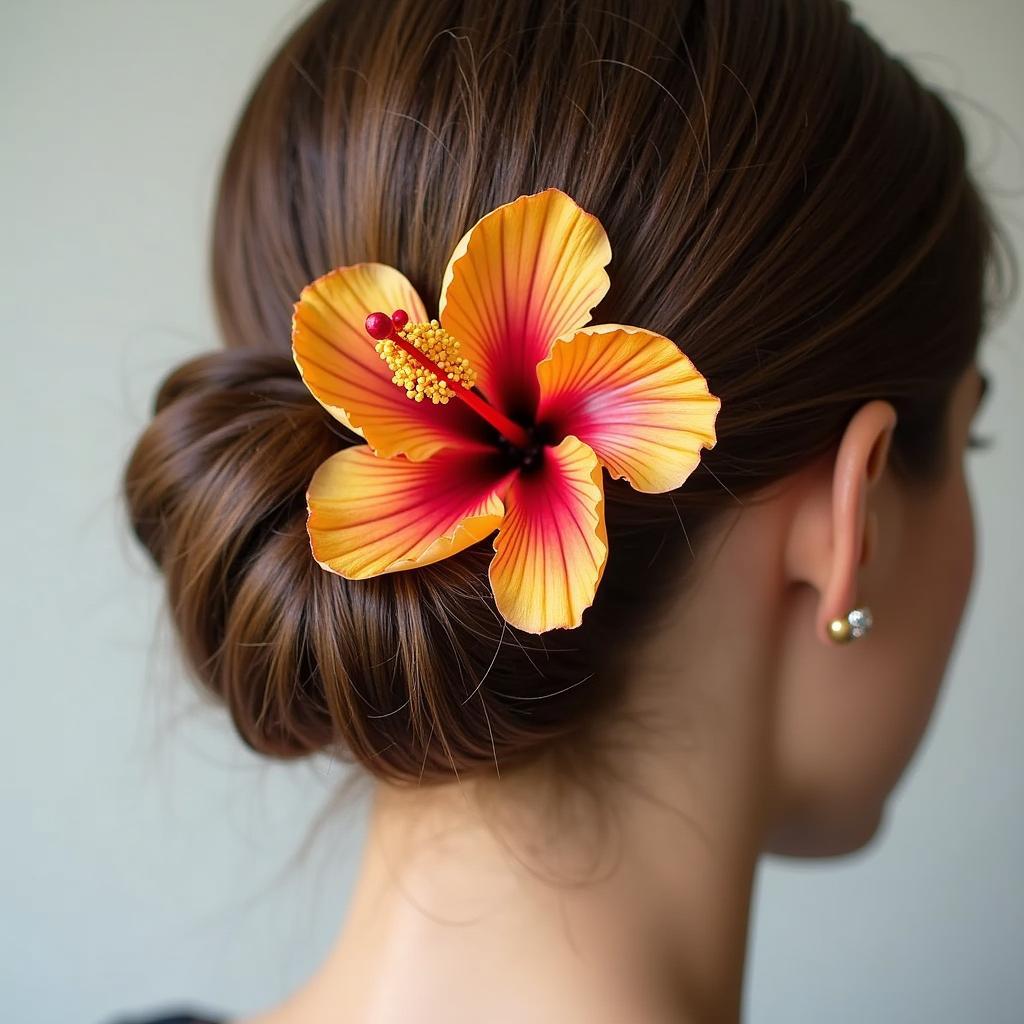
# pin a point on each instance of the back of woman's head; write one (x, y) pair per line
(783, 199)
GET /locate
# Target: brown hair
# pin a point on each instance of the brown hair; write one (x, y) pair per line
(783, 199)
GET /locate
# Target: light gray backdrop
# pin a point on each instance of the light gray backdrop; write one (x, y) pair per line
(144, 854)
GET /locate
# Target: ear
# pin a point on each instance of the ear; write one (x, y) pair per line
(835, 528)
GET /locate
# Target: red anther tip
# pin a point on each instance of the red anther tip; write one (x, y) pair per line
(400, 318)
(379, 326)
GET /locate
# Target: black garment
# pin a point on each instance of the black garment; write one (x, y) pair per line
(184, 1017)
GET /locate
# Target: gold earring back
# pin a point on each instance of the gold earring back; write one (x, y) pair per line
(852, 626)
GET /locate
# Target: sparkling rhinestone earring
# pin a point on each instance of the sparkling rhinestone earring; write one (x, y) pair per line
(851, 627)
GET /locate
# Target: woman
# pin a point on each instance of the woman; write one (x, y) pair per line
(571, 794)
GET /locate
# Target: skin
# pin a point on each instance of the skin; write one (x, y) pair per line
(744, 730)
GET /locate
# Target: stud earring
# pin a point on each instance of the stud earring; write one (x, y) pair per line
(852, 626)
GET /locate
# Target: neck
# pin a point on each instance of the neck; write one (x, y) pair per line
(528, 895)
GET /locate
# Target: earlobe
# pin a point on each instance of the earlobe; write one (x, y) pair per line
(860, 463)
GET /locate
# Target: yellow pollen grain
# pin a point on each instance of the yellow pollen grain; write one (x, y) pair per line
(419, 383)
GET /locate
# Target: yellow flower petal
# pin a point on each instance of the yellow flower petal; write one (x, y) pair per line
(369, 515)
(635, 398)
(524, 274)
(552, 547)
(337, 360)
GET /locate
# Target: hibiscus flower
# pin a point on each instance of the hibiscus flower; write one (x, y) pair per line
(498, 414)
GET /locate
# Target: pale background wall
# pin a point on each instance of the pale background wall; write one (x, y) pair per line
(141, 847)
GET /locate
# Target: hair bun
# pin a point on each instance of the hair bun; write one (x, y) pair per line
(304, 659)
(216, 492)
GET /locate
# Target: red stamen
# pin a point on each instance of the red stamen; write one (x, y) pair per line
(380, 326)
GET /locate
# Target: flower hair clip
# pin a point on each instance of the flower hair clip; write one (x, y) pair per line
(498, 414)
